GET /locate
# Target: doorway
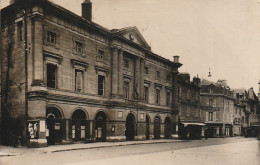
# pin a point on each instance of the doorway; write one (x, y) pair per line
(130, 127)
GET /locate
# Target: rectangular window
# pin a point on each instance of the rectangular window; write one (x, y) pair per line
(168, 97)
(79, 46)
(168, 78)
(157, 98)
(146, 94)
(158, 76)
(78, 80)
(51, 37)
(126, 63)
(210, 102)
(146, 70)
(51, 76)
(210, 116)
(101, 83)
(101, 54)
(179, 92)
(20, 31)
(126, 90)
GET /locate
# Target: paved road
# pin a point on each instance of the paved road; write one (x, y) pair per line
(211, 151)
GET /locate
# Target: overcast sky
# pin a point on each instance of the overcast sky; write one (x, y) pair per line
(223, 35)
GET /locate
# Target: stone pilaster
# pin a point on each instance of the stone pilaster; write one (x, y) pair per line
(120, 73)
(37, 22)
(137, 79)
(141, 96)
(114, 79)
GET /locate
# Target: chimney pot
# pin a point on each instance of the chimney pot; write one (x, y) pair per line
(176, 59)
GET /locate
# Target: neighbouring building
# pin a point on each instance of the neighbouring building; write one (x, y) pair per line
(190, 117)
(65, 78)
(218, 103)
(241, 113)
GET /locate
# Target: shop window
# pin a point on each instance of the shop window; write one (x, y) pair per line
(51, 76)
(51, 37)
(101, 83)
(78, 80)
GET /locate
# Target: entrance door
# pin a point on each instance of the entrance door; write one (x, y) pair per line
(78, 125)
(101, 126)
(130, 127)
(167, 128)
(147, 133)
(157, 130)
(53, 121)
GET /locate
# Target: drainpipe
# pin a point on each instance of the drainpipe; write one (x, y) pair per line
(22, 13)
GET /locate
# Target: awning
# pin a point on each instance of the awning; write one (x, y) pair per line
(199, 124)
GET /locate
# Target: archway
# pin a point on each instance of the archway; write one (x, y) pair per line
(130, 127)
(157, 129)
(101, 126)
(167, 128)
(147, 132)
(79, 125)
(54, 125)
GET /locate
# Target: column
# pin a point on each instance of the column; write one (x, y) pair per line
(37, 50)
(174, 91)
(114, 79)
(137, 79)
(141, 96)
(120, 73)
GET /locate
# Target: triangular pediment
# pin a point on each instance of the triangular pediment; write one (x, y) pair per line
(132, 34)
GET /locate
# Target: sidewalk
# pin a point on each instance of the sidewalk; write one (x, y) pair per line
(12, 151)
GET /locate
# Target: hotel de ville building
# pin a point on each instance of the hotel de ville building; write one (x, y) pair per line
(65, 78)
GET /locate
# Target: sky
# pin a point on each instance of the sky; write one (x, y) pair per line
(222, 35)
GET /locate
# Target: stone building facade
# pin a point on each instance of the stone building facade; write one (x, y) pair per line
(218, 103)
(65, 78)
(191, 120)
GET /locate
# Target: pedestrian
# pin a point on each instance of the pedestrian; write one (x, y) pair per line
(206, 134)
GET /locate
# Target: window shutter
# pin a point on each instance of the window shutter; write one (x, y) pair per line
(207, 116)
(207, 102)
(214, 103)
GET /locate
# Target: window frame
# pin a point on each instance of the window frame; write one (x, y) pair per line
(82, 80)
(103, 85)
(51, 37)
(51, 72)
(157, 96)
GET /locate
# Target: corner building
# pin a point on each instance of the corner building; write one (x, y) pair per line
(65, 78)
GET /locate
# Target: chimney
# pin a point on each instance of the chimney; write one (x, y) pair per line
(176, 59)
(87, 10)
